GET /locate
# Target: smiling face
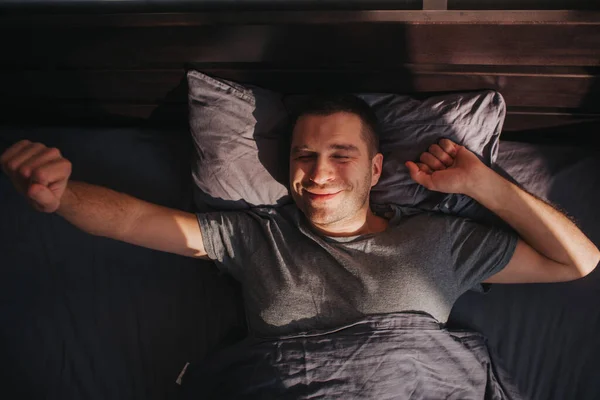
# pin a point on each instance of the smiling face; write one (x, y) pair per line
(331, 169)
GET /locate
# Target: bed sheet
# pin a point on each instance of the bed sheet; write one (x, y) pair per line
(545, 335)
(85, 317)
(89, 317)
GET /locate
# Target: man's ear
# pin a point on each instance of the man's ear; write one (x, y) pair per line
(376, 167)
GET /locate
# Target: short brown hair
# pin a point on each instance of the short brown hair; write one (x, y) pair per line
(332, 103)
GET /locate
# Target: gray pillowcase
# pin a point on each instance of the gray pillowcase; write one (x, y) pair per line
(240, 159)
(241, 142)
(410, 126)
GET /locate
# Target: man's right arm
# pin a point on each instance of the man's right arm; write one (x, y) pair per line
(41, 174)
(104, 212)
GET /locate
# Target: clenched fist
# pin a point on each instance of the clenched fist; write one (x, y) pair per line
(449, 168)
(38, 172)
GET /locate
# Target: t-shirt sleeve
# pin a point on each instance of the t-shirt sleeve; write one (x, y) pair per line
(229, 238)
(477, 252)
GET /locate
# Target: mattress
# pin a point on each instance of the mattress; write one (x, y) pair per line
(90, 317)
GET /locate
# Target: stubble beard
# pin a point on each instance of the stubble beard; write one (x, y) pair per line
(352, 202)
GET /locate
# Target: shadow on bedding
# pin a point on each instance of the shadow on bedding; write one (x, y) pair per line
(544, 333)
(83, 316)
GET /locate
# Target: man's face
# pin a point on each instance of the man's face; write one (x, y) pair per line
(331, 172)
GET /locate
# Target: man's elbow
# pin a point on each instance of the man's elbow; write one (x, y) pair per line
(587, 266)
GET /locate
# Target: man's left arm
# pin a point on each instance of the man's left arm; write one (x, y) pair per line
(551, 248)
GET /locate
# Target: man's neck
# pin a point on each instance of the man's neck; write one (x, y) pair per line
(363, 223)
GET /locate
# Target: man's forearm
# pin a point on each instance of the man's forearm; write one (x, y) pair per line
(98, 210)
(544, 228)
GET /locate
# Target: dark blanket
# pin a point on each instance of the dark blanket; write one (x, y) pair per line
(393, 356)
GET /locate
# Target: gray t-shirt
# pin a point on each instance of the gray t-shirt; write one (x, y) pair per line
(295, 279)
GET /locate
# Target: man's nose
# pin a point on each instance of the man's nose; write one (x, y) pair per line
(322, 171)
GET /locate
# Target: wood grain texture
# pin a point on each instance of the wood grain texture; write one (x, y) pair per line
(529, 16)
(374, 45)
(566, 89)
(131, 66)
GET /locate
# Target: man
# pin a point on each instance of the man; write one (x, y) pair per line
(329, 258)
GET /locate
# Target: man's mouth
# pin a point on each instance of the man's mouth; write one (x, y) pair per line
(321, 195)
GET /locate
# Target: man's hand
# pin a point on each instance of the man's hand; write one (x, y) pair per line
(447, 167)
(38, 172)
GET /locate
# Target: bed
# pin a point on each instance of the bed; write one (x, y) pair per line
(87, 317)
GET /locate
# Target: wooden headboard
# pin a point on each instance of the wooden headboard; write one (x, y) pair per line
(129, 67)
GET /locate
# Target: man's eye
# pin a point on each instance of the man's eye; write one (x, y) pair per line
(304, 157)
(341, 157)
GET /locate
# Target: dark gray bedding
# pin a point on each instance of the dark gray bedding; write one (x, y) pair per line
(87, 317)
(385, 356)
(84, 317)
(547, 334)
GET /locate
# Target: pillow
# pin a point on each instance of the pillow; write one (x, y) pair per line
(410, 126)
(240, 158)
(241, 131)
